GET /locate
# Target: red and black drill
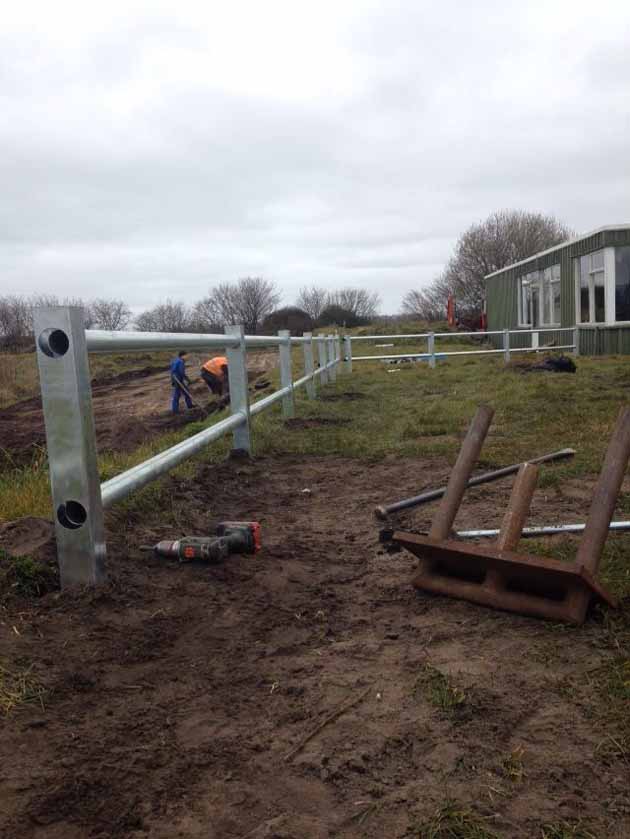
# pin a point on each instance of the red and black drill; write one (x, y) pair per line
(232, 537)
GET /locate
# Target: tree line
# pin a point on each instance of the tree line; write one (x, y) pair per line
(503, 238)
(252, 301)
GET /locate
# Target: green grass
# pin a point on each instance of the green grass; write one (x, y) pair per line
(454, 821)
(439, 690)
(24, 576)
(416, 412)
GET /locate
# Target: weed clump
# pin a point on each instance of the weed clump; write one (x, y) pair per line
(25, 576)
(440, 691)
(18, 687)
(564, 830)
(451, 821)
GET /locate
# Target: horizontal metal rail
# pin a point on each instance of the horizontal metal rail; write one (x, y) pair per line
(102, 341)
(119, 487)
(542, 530)
(478, 334)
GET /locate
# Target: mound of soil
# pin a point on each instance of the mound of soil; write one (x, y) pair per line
(315, 422)
(347, 396)
(550, 364)
(284, 694)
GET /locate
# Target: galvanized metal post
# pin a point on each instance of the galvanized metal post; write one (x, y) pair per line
(322, 354)
(431, 348)
(339, 350)
(309, 365)
(239, 388)
(347, 341)
(286, 377)
(506, 346)
(332, 373)
(64, 375)
(576, 340)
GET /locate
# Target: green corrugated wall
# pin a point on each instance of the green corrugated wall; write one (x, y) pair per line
(502, 290)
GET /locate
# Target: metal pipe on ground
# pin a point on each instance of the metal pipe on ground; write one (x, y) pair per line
(384, 510)
(541, 530)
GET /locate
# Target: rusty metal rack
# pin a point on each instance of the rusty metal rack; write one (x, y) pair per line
(499, 577)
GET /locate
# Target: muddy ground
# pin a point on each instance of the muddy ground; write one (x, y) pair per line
(282, 695)
(129, 408)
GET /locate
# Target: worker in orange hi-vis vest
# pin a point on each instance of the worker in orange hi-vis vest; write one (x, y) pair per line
(215, 374)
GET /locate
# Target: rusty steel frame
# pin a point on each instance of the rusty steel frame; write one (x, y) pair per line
(499, 577)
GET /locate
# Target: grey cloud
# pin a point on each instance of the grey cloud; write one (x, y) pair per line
(117, 182)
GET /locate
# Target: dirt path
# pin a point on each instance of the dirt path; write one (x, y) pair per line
(129, 408)
(179, 696)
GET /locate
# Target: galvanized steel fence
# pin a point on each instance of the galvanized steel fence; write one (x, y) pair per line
(78, 496)
(431, 337)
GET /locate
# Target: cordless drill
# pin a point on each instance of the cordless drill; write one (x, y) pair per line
(232, 537)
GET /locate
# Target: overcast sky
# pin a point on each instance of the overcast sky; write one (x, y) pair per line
(152, 150)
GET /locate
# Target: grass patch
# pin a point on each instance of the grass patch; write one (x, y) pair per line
(25, 576)
(18, 687)
(512, 765)
(452, 821)
(566, 830)
(439, 690)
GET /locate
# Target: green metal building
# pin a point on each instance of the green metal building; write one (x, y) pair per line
(582, 285)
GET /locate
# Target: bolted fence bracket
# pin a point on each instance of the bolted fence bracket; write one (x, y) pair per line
(322, 352)
(347, 343)
(286, 377)
(506, 346)
(332, 359)
(309, 365)
(64, 374)
(431, 349)
(239, 388)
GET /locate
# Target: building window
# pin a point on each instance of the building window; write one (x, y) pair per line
(622, 284)
(591, 282)
(539, 298)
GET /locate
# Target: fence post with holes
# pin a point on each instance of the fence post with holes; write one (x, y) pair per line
(431, 348)
(286, 376)
(506, 346)
(239, 388)
(348, 353)
(309, 365)
(332, 357)
(322, 355)
(64, 374)
(576, 340)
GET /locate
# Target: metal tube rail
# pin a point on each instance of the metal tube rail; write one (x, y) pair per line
(542, 530)
(138, 476)
(478, 334)
(443, 354)
(266, 401)
(99, 340)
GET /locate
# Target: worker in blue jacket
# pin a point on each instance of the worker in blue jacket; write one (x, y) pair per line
(179, 377)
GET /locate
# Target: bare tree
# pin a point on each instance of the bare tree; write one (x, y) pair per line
(248, 302)
(110, 314)
(505, 237)
(359, 301)
(423, 304)
(171, 316)
(313, 300)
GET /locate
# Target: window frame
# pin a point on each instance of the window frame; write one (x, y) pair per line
(545, 286)
(608, 270)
